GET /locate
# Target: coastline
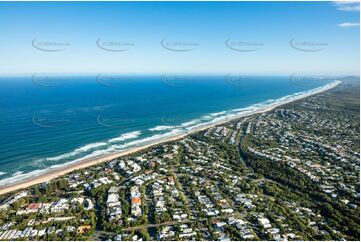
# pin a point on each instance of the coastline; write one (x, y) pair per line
(51, 174)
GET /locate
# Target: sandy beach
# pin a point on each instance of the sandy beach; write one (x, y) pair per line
(100, 159)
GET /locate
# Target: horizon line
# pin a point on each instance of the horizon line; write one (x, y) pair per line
(171, 73)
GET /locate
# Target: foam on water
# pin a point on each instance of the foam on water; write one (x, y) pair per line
(89, 147)
(22, 176)
(123, 137)
(219, 113)
(162, 127)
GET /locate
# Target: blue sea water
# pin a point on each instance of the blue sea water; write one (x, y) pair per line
(48, 121)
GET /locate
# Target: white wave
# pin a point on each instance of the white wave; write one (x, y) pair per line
(90, 146)
(17, 173)
(123, 137)
(91, 155)
(146, 140)
(63, 156)
(206, 117)
(217, 114)
(21, 176)
(270, 101)
(162, 127)
(249, 108)
(2, 173)
(76, 152)
(190, 123)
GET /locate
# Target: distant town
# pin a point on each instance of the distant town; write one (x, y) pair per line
(288, 174)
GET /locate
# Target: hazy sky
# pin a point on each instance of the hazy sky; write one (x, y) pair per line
(228, 37)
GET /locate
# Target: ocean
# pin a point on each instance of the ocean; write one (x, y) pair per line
(48, 121)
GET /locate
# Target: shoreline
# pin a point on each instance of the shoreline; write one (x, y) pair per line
(52, 174)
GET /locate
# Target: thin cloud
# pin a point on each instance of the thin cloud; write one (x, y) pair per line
(347, 5)
(348, 25)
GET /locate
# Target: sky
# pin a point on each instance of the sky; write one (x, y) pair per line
(263, 38)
